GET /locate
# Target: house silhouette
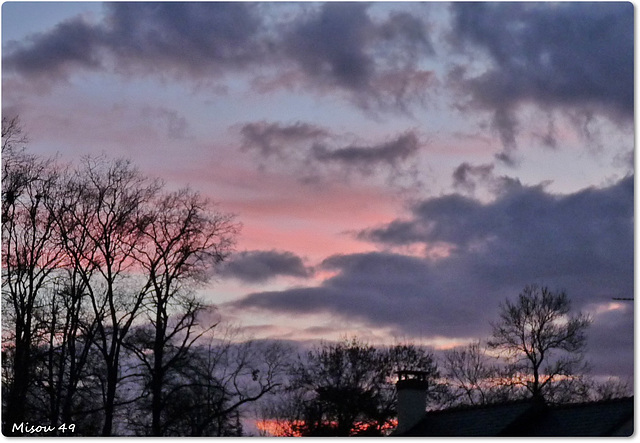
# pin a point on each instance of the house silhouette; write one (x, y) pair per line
(523, 418)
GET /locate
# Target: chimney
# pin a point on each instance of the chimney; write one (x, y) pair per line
(412, 398)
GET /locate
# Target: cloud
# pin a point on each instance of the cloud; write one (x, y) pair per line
(196, 37)
(311, 147)
(375, 287)
(575, 55)
(465, 174)
(261, 266)
(144, 38)
(611, 340)
(175, 125)
(401, 148)
(330, 45)
(340, 45)
(72, 44)
(580, 242)
(583, 231)
(335, 46)
(275, 139)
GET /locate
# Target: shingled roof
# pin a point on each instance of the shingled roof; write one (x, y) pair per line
(530, 418)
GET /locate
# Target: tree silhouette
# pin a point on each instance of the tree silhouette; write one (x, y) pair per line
(30, 255)
(348, 388)
(182, 242)
(86, 251)
(106, 211)
(540, 340)
(473, 379)
(204, 391)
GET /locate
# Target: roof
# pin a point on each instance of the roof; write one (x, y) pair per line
(530, 418)
(588, 419)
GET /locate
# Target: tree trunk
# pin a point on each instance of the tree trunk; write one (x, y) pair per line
(109, 407)
(157, 378)
(16, 406)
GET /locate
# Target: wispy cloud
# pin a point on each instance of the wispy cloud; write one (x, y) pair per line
(274, 139)
(311, 147)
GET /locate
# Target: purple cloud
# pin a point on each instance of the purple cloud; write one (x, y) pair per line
(336, 45)
(261, 266)
(401, 148)
(576, 55)
(580, 242)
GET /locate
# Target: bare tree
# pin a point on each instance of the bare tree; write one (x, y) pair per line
(102, 230)
(66, 356)
(542, 342)
(17, 166)
(44, 338)
(30, 255)
(609, 389)
(205, 391)
(13, 136)
(228, 375)
(183, 241)
(85, 252)
(474, 379)
(65, 314)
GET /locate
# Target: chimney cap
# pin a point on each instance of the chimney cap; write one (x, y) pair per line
(414, 380)
(413, 375)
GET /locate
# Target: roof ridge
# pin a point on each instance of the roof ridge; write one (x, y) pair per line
(464, 407)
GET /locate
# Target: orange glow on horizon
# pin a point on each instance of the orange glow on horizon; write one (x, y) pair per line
(279, 428)
(283, 428)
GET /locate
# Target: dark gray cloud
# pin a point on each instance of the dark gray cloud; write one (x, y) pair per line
(567, 53)
(401, 148)
(553, 54)
(377, 287)
(335, 45)
(199, 37)
(70, 45)
(261, 266)
(588, 231)
(147, 37)
(505, 124)
(330, 44)
(581, 242)
(611, 341)
(340, 44)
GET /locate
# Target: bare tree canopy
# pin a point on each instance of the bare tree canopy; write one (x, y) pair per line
(347, 389)
(93, 256)
(540, 338)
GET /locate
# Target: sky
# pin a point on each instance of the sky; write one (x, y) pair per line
(399, 169)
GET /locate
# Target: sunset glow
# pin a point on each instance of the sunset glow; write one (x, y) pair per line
(399, 169)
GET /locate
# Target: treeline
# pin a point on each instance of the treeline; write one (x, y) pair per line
(104, 332)
(102, 324)
(536, 351)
